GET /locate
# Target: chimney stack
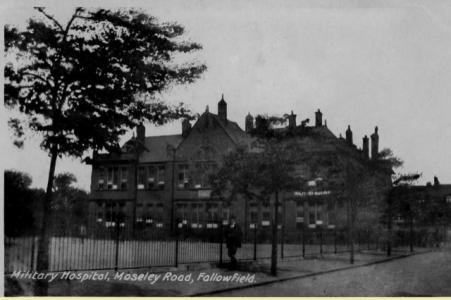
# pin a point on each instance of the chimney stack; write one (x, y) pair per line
(318, 118)
(292, 121)
(366, 147)
(222, 109)
(141, 133)
(249, 123)
(186, 127)
(349, 135)
(374, 144)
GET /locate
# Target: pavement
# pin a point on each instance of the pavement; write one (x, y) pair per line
(427, 274)
(251, 278)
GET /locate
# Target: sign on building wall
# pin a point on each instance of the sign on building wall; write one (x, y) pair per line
(311, 193)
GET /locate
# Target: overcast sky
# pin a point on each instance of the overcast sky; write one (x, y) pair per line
(363, 63)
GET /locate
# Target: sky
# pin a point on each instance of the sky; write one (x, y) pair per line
(362, 63)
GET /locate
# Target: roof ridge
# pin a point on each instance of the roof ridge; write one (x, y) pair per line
(164, 135)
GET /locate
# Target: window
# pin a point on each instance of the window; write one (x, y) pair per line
(266, 215)
(161, 177)
(202, 172)
(148, 220)
(448, 199)
(299, 212)
(225, 215)
(319, 214)
(316, 215)
(110, 178)
(159, 213)
(139, 213)
(124, 178)
(311, 214)
(141, 178)
(183, 180)
(213, 212)
(181, 213)
(152, 177)
(113, 178)
(196, 215)
(100, 212)
(253, 213)
(101, 178)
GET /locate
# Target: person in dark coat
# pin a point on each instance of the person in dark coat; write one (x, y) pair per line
(233, 237)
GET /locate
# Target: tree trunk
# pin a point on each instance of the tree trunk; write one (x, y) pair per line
(274, 235)
(41, 286)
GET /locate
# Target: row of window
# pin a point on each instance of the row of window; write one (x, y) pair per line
(154, 176)
(196, 213)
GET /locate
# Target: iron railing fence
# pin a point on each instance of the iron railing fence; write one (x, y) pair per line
(116, 245)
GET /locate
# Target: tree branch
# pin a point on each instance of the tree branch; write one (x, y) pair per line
(38, 77)
(42, 11)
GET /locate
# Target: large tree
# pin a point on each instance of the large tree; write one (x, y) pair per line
(261, 172)
(84, 82)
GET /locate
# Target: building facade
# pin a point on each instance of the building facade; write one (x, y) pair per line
(162, 182)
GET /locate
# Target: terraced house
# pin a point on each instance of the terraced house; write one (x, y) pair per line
(161, 182)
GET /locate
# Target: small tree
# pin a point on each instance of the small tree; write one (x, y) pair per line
(83, 83)
(20, 203)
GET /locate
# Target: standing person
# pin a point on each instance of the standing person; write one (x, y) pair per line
(233, 236)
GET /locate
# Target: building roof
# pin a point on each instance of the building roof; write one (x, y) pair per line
(158, 148)
(236, 134)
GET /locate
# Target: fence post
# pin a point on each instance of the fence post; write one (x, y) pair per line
(335, 240)
(176, 260)
(255, 241)
(303, 240)
(221, 233)
(282, 237)
(32, 252)
(116, 261)
(411, 233)
(321, 241)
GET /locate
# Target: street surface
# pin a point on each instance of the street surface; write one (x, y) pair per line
(419, 275)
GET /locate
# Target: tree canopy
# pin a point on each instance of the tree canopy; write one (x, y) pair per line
(84, 82)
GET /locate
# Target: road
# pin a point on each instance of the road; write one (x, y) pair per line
(419, 275)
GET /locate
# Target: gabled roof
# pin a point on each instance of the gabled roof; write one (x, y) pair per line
(159, 147)
(236, 134)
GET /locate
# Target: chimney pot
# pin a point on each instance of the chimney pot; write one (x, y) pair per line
(318, 118)
(222, 109)
(141, 132)
(365, 147)
(374, 144)
(249, 123)
(349, 135)
(292, 121)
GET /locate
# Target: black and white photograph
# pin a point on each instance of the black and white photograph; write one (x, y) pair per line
(226, 148)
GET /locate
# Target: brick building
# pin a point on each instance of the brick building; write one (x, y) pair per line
(163, 180)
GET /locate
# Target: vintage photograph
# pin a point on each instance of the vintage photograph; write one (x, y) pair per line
(226, 148)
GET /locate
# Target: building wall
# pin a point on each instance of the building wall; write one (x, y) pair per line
(207, 143)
